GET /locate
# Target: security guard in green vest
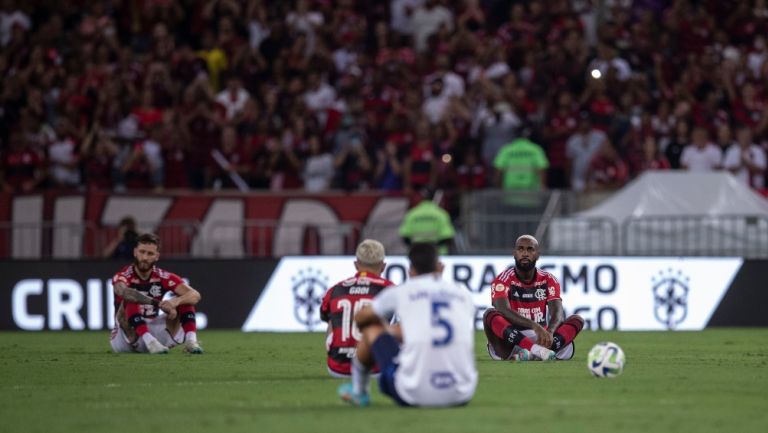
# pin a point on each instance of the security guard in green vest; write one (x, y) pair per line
(428, 222)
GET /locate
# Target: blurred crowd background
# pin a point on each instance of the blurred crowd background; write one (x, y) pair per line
(392, 96)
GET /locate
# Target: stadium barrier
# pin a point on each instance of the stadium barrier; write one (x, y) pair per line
(623, 293)
(72, 226)
(733, 235)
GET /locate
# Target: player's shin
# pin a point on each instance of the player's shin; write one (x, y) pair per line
(361, 377)
(567, 332)
(135, 319)
(188, 322)
(361, 366)
(502, 329)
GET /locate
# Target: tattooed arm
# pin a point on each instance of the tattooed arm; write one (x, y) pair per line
(133, 295)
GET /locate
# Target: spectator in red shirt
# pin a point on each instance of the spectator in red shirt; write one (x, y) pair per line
(607, 171)
(140, 164)
(283, 166)
(472, 173)
(600, 105)
(749, 108)
(420, 166)
(96, 154)
(22, 168)
(563, 122)
(147, 113)
(652, 158)
(201, 124)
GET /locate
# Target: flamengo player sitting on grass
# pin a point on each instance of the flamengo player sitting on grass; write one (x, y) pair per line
(139, 290)
(346, 298)
(516, 326)
(435, 364)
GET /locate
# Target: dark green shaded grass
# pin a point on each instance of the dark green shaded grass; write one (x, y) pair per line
(710, 381)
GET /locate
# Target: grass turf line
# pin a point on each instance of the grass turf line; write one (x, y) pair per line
(710, 381)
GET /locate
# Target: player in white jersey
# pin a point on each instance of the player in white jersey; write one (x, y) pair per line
(435, 364)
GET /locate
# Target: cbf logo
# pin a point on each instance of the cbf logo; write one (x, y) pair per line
(670, 294)
(309, 286)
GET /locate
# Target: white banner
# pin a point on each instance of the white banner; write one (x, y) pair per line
(610, 293)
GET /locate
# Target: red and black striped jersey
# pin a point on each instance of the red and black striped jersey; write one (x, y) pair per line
(156, 286)
(528, 299)
(340, 304)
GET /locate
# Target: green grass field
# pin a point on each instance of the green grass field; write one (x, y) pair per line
(711, 381)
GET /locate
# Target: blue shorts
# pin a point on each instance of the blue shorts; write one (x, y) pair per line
(385, 350)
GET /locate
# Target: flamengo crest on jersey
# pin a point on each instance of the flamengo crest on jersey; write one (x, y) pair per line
(156, 286)
(528, 299)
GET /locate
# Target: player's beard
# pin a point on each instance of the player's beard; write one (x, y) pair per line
(145, 266)
(525, 266)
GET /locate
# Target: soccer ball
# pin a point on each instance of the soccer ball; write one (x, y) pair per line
(606, 359)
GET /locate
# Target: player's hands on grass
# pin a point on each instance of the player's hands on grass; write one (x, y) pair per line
(169, 309)
(543, 337)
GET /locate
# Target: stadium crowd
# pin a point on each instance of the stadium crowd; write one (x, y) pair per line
(392, 96)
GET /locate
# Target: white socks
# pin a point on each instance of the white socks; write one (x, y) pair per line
(360, 377)
(148, 338)
(541, 352)
(190, 336)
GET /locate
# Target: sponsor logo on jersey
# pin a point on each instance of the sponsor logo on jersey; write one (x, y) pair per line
(361, 281)
(670, 294)
(499, 287)
(309, 286)
(442, 380)
(349, 352)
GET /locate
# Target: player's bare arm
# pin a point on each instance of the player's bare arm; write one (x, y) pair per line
(132, 295)
(366, 317)
(396, 331)
(501, 305)
(556, 318)
(185, 295)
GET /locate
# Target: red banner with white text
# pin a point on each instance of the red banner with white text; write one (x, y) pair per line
(66, 225)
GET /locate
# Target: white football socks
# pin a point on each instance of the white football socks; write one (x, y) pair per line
(360, 377)
(148, 338)
(541, 352)
(190, 336)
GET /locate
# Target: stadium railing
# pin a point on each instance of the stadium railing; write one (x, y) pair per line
(696, 235)
(689, 235)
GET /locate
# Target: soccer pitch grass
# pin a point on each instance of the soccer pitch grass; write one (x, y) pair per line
(710, 381)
